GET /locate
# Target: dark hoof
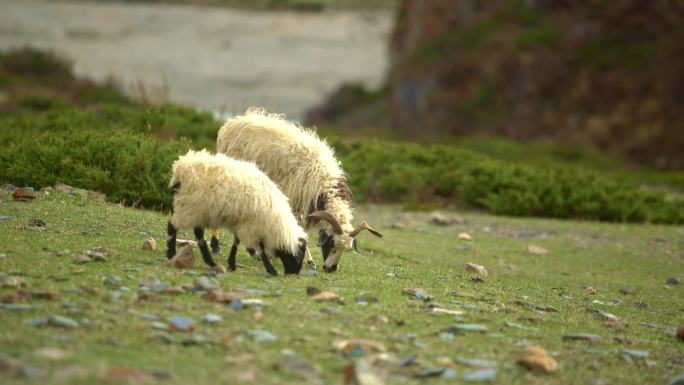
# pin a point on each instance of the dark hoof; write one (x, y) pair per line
(329, 269)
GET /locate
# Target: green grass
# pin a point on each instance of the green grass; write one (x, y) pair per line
(605, 256)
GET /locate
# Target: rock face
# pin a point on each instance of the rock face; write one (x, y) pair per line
(606, 77)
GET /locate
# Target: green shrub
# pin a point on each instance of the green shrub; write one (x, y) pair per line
(382, 171)
(130, 167)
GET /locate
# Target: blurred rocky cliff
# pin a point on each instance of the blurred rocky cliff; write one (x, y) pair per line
(608, 74)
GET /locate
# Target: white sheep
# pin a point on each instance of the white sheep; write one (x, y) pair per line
(305, 169)
(212, 191)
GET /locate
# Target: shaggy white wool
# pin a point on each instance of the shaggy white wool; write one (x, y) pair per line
(295, 158)
(217, 191)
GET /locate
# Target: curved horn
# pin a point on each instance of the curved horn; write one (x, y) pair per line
(328, 218)
(364, 226)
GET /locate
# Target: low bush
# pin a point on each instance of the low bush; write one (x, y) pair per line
(128, 167)
(382, 171)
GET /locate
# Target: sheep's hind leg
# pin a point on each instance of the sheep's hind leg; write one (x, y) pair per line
(171, 233)
(267, 262)
(233, 251)
(214, 243)
(199, 235)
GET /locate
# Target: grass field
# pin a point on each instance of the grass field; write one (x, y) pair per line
(525, 299)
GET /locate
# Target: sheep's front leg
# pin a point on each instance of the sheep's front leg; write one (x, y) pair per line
(308, 260)
(214, 243)
(233, 251)
(199, 235)
(171, 233)
(267, 262)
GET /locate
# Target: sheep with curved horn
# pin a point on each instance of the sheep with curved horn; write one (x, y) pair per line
(306, 170)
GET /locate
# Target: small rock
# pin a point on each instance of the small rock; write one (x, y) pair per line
(205, 283)
(299, 367)
(64, 188)
(536, 358)
(362, 373)
(429, 372)
(673, 281)
(326, 296)
(220, 269)
(150, 244)
(71, 372)
(184, 259)
(536, 250)
(3, 257)
(441, 310)
(476, 269)
(477, 363)
(348, 347)
(54, 320)
(211, 318)
(11, 281)
(439, 219)
(257, 316)
(468, 328)
(8, 187)
(418, 293)
(365, 300)
(464, 236)
(24, 194)
(582, 336)
(481, 375)
(590, 290)
(626, 291)
(113, 281)
(52, 354)
(603, 316)
(312, 290)
(262, 336)
(159, 325)
(397, 225)
(181, 324)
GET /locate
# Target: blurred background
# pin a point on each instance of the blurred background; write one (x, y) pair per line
(527, 99)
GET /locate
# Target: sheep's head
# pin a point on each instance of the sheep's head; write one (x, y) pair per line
(292, 263)
(333, 241)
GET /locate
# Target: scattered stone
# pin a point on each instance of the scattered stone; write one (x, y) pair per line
(477, 363)
(358, 346)
(205, 284)
(626, 291)
(312, 290)
(184, 259)
(71, 372)
(195, 339)
(362, 373)
(476, 269)
(429, 372)
(8, 187)
(536, 250)
(33, 373)
(113, 282)
(536, 358)
(629, 354)
(365, 300)
(10, 281)
(418, 293)
(18, 306)
(439, 219)
(129, 375)
(464, 236)
(521, 327)
(590, 290)
(52, 354)
(581, 336)
(54, 320)
(326, 296)
(66, 189)
(219, 296)
(220, 269)
(397, 225)
(441, 310)
(82, 259)
(150, 244)
(446, 336)
(24, 194)
(481, 375)
(468, 328)
(159, 326)
(3, 257)
(603, 316)
(211, 318)
(181, 324)
(262, 336)
(673, 281)
(257, 316)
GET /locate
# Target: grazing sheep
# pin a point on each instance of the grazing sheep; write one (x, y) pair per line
(217, 191)
(305, 169)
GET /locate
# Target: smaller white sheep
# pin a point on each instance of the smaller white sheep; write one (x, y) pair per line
(212, 191)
